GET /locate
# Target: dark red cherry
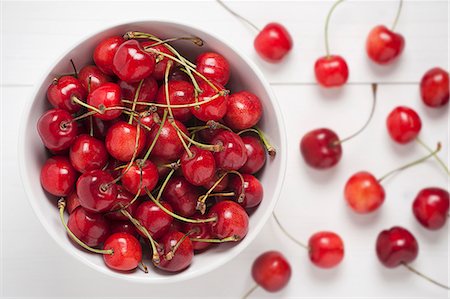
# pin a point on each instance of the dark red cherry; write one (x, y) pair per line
(214, 109)
(106, 96)
(363, 192)
(127, 252)
(61, 91)
(91, 228)
(57, 129)
(180, 93)
(321, 148)
(214, 67)
(383, 45)
(199, 168)
(244, 110)
(271, 271)
(223, 184)
(161, 65)
(174, 260)
(105, 51)
(99, 127)
(168, 146)
(182, 196)
(96, 191)
(131, 63)
(124, 227)
(233, 154)
(434, 87)
(232, 220)
(273, 43)
(256, 155)
(431, 207)
(403, 124)
(121, 141)
(253, 190)
(72, 202)
(396, 246)
(58, 176)
(88, 153)
(198, 231)
(326, 249)
(147, 93)
(331, 71)
(177, 74)
(140, 176)
(92, 77)
(122, 200)
(155, 220)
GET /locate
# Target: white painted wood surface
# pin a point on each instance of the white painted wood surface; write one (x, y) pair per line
(35, 33)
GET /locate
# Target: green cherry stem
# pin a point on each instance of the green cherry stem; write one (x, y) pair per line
(425, 277)
(397, 16)
(270, 149)
(136, 96)
(288, 234)
(327, 22)
(438, 159)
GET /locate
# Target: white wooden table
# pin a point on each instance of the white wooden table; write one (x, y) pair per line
(35, 33)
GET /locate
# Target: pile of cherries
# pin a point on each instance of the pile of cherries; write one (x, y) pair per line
(149, 149)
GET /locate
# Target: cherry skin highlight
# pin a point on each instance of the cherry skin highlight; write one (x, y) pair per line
(326, 249)
(256, 155)
(88, 153)
(403, 124)
(200, 168)
(121, 141)
(431, 207)
(214, 67)
(140, 176)
(92, 77)
(58, 176)
(57, 129)
(232, 220)
(104, 53)
(364, 193)
(383, 46)
(321, 148)
(182, 256)
(273, 43)
(213, 110)
(233, 155)
(271, 271)
(127, 252)
(253, 190)
(96, 191)
(331, 71)
(61, 91)
(91, 228)
(244, 110)
(396, 246)
(434, 88)
(107, 95)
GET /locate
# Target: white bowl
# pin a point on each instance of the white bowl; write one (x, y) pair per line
(244, 75)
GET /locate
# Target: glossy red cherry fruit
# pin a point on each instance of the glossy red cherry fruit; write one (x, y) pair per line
(271, 271)
(177, 74)
(326, 249)
(364, 193)
(198, 231)
(155, 220)
(131, 63)
(124, 227)
(91, 228)
(58, 176)
(396, 246)
(92, 77)
(161, 65)
(72, 202)
(168, 146)
(61, 91)
(231, 220)
(122, 141)
(214, 67)
(182, 196)
(403, 124)
(96, 191)
(256, 155)
(57, 129)
(105, 51)
(431, 206)
(273, 42)
(147, 93)
(383, 45)
(123, 199)
(233, 154)
(214, 109)
(199, 168)
(434, 87)
(244, 110)
(107, 95)
(253, 190)
(321, 148)
(88, 153)
(140, 176)
(180, 93)
(331, 71)
(127, 252)
(178, 252)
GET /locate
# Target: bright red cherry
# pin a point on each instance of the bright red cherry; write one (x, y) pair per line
(273, 42)
(403, 124)
(256, 155)
(57, 129)
(321, 148)
(161, 65)
(168, 146)
(123, 227)
(244, 110)
(121, 141)
(107, 95)
(58, 176)
(72, 202)
(434, 87)
(198, 231)
(180, 93)
(199, 168)
(383, 45)
(326, 249)
(182, 196)
(147, 93)
(123, 199)
(105, 51)
(61, 91)
(92, 77)
(214, 67)
(232, 220)
(140, 176)
(233, 154)
(177, 253)
(214, 109)
(396, 246)
(96, 191)
(431, 207)
(331, 71)
(364, 193)
(127, 252)
(155, 220)
(253, 190)
(271, 271)
(91, 228)
(88, 153)
(131, 63)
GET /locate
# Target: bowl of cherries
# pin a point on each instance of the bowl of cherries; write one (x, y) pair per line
(153, 151)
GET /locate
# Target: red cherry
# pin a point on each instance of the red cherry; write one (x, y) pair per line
(58, 176)
(180, 93)
(271, 271)
(273, 43)
(198, 231)
(105, 51)
(96, 191)
(147, 93)
(127, 252)
(223, 184)
(213, 110)
(140, 176)
(200, 167)
(131, 63)
(121, 141)
(72, 202)
(396, 246)
(403, 124)
(434, 87)
(122, 200)
(244, 110)
(256, 155)
(233, 155)
(321, 148)
(214, 67)
(107, 95)
(100, 127)
(253, 190)
(326, 249)
(207, 135)
(364, 193)
(168, 146)
(232, 220)
(57, 129)
(92, 77)
(155, 220)
(182, 196)
(178, 75)
(61, 91)
(182, 256)
(383, 45)
(88, 153)
(124, 227)
(160, 67)
(91, 228)
(331, 71)
(431, 206)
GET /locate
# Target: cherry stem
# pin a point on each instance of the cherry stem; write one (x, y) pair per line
(164, 184)
(75, 72)
(194, 39)
(327, 46)
(438, 148)
(136, 96)
(270, 149)
(288, 234)
(81, 103)
(438, 159)
(425, 277)
(238, 15)
(147, 154)
(233, 238)
(249, 292)
(372, 111)
(87, 114)
(210, 147)
(210, 124)
(143, 267)
(61, 207)
(399, 9)
(172, 251)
